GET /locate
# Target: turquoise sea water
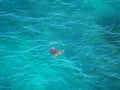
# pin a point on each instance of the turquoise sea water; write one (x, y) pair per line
(88, 31)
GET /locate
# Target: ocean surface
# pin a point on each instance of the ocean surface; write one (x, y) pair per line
(88, 31)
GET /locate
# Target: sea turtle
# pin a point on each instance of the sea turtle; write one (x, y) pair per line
(55, 52)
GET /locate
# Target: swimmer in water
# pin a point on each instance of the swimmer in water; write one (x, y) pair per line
(55, 52)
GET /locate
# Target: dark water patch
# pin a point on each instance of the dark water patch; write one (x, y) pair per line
(107, 51)
(5, 83)
(8, 24)
(26, 8)
(113, 35)
(14, 6)
(114, 4)
(103, 82)
(112, 32)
